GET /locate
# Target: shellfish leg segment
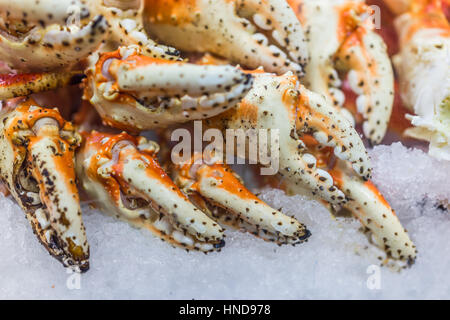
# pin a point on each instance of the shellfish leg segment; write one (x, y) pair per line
(17, 85)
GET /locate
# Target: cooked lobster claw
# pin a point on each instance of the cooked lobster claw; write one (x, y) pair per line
(38, 36)
(37, 166)
(341, 40)
(136, 92)
(217, 190)
(122, 176)
(282, 103)
(252, 33)
(423, 66)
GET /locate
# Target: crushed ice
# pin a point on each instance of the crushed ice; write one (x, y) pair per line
(337, 262)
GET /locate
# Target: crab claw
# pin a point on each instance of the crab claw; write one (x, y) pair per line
(424, 73)
(374, 212)
(370, 76)
(281, 103)
(341, 42)
(122, 176)
(37, 36)
(366, 203)
(216, 189)
(16, 85)
(137, 92)
(249, 32)
(126, 27)
(37, 165)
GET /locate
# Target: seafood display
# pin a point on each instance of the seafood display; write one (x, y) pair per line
(313, 74)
